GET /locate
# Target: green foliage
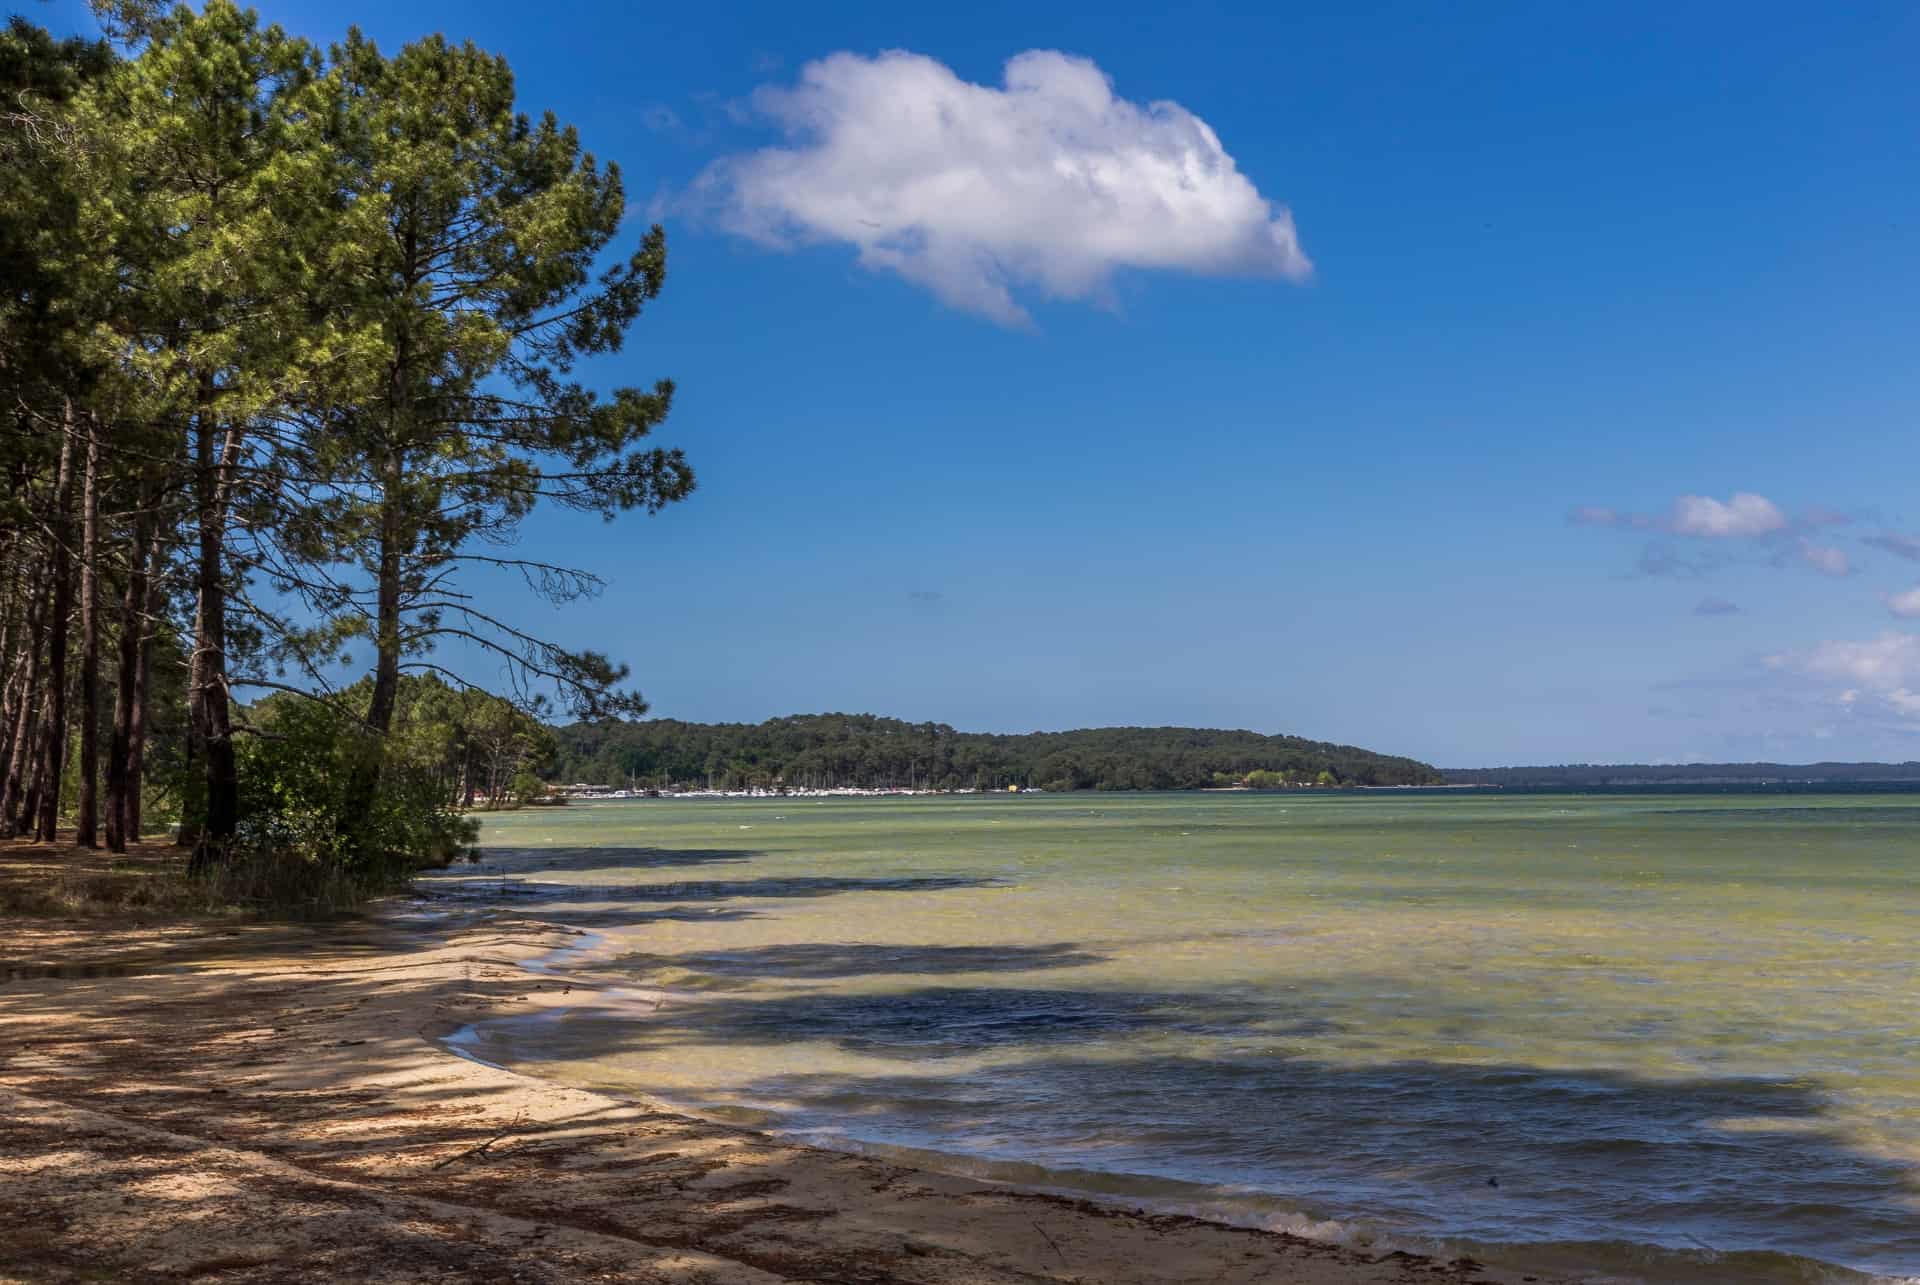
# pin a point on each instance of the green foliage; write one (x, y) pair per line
(467, 263)
(859, 750)
(200, 165)
(305, 320)
(296, 771)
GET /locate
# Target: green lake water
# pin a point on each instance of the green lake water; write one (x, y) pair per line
(1652, 1036)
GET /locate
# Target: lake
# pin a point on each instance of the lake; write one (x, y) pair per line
(1665, 1036)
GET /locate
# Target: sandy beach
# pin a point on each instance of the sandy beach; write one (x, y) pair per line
(253, 1102)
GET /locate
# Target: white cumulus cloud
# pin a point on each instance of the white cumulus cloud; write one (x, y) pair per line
(1048, 182)
(1746, 514)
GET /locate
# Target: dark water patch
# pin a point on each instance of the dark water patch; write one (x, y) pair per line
(591, 858)
(603, 905)
(621, 917)
(509, 885)
(825, 960)
(784, 886)
(1501, 1154)
(1655, 790)
(936, 1022)
(771, 887)
(1903, 816)
(1494, 1153)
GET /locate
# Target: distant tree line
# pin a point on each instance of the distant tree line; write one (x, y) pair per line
(287, 350)
(863, 751)
(1591, 775)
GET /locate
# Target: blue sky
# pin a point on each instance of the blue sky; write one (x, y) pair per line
(1570, 265)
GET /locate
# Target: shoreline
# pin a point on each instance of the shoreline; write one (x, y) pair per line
(163, 1113)
(600, 996)
(1393, 1254)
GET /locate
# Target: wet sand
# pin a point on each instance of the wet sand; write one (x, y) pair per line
(269, 1103)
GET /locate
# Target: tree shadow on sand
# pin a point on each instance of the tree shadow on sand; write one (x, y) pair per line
(1222, 1091)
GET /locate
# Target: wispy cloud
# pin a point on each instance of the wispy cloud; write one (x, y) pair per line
(661, 119)
(1660, 558)
(1827, 559)
(1876, 675)
(1905, 605)
(1744, 520)
(1896, 543)
(1601, 515)
(1744, 514)
(1048, 182)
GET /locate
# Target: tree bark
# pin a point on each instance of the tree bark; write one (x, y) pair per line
(386, 666)
(87, 805)
(13, 653)
(53, 729)
(142, 684)
(123, 790)
(25, 716)
(214, 459)
(364, 785)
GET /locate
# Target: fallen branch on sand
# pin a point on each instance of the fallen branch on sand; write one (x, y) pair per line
(486, 1147)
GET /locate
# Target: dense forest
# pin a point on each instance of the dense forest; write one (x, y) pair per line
(288, 340)
(1589, 775)
(860, 750)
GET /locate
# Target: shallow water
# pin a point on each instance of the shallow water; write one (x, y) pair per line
(1677, 1036)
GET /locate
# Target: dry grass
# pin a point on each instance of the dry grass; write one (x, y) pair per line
(150, 882)
(62, 880)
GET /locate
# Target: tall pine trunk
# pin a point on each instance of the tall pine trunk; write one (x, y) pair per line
(142, 684)
(53, 730)
(123, 789)
(12, 664)
(212, 716)
(25, 718)
(87, 805)
(364, 785)
(386, 667)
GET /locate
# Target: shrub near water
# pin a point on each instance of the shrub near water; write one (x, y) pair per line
(297, 842)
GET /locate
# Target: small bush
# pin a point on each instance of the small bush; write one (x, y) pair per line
(305, 839)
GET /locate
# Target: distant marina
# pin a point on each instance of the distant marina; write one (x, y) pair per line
(586, 793)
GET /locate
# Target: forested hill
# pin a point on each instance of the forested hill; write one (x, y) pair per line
(860, 750)
(1588, 775)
